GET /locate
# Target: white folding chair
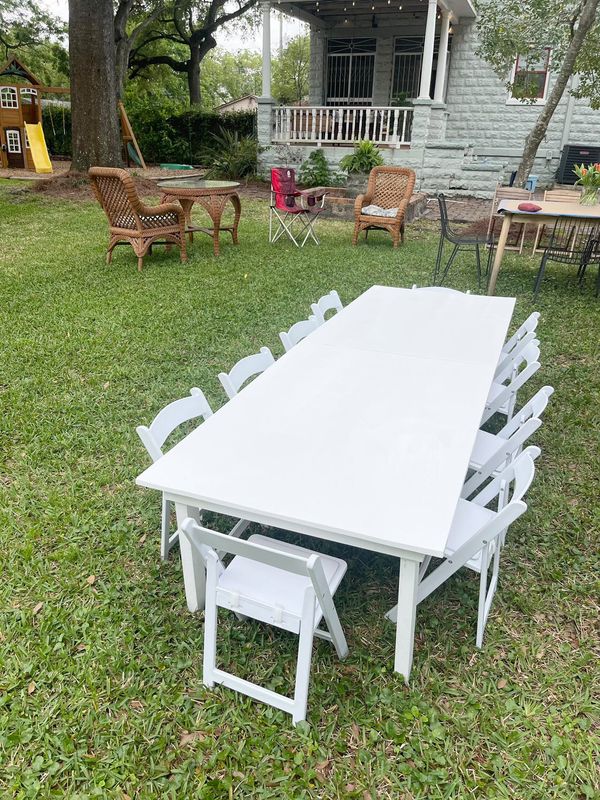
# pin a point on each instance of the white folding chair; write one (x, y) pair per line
(502, 397)
(529, 326)
(492, 451)
(273, 582)
(329, 302)
(298, 332)
(245, 368)
(474, 538)
(518, 341)
(154, 437)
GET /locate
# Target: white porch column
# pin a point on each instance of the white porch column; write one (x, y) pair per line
(266, 49)
(427, 64)
(440, 76)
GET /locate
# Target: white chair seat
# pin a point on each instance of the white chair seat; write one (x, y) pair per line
(495, 390)
(486, 444)
(271, 586)
(468, 519)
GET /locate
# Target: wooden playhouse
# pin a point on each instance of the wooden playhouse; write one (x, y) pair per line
(20, 102)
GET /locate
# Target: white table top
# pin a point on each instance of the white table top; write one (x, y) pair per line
(551, 209)
(361, 433)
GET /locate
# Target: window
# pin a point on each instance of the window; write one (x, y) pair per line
(530, 78)
(8, 98)
(408, 56)
(28, 96)
(13, 141)
(350, 71)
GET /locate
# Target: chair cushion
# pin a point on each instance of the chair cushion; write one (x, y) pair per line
(468, 519)
(378, 211)
(278, 587)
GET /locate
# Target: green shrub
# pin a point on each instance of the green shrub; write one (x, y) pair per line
(232, 156)
(315, 171)
(164, 132)
(185, 136)
(365, 156)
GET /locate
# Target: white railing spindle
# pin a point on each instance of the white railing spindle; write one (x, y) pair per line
(345, 125)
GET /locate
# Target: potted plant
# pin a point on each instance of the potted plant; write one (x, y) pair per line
(360, 162)
(589, 179)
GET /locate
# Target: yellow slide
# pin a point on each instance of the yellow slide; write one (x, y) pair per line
(37, 145)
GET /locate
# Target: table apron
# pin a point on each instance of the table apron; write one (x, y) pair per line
(308, 530)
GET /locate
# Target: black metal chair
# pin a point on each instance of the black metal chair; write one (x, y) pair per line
(461, 241)
(575, 242)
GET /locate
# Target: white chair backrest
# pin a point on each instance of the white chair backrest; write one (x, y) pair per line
(514, 480)
(329, 302)
(529, 354)
(210, 543)
(517, 378)
(245, 368)
(170, 418)
(528, 326)
(507, 360)
(531, 410)
(298, 332)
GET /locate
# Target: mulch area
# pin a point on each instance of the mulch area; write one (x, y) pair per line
(74, 186)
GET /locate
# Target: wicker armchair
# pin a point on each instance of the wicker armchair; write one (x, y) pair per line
(133, 222)
(388, 187)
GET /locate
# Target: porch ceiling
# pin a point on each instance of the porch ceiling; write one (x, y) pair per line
(332, 13)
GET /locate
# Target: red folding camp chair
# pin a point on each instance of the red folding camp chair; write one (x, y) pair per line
(284, 208)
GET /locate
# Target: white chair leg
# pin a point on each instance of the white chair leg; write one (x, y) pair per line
(305, 643)
(210, 625)
(164, 531)
(423, 568)
(483, 581)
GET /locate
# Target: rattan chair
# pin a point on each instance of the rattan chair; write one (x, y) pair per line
(388, 187)
(132, 222)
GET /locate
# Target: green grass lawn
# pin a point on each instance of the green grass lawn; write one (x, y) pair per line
(100, 661)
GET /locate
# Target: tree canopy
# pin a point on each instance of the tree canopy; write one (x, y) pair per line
(25, 24)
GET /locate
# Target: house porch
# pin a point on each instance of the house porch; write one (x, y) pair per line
(379, 71)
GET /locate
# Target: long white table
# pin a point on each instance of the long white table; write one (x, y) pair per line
(361, 434)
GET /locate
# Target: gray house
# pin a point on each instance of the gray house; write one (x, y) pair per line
(405, 74)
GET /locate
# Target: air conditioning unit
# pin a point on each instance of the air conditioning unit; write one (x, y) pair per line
(575, 154)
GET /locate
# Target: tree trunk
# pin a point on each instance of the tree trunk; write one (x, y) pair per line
(94, 115)
(122, 44)
(193, 76)
(122, 50)
(534, 139)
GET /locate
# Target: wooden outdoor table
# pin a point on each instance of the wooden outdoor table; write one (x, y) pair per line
(343, 438)
(548, 215)
(212, 196)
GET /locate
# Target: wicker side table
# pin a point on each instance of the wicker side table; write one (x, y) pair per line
(213, 196)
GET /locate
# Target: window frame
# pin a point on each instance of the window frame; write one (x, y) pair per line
(538, 101)
(5, 93)
(13, 135)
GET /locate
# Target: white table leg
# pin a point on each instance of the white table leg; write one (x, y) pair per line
(408, 580)
(194, 577)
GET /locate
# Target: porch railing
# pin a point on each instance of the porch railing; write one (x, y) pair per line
(384, 125)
